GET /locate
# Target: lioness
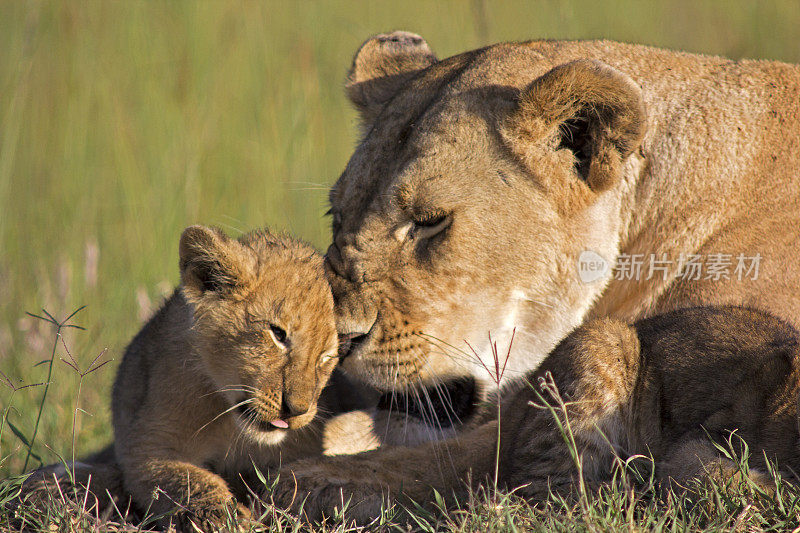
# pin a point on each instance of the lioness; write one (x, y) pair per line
(225, 374)
(488, 184)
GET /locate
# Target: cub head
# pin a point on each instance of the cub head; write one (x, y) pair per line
(263, 325)
(479, 181)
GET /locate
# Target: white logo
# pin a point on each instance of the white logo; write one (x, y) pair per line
(591, 266)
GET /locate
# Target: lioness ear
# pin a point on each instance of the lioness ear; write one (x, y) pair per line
(211, 262)
(380, 67)
(597, 112)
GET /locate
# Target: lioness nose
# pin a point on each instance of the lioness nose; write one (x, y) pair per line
(293, 408)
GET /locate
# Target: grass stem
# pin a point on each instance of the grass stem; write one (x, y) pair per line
(59, 326)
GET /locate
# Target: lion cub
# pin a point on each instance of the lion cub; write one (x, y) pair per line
(676, 387)
(222, 376)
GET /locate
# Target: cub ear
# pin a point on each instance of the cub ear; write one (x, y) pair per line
(598, 112)
(381, 66)
(211, 262)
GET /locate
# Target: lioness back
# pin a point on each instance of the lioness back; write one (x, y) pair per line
(226, 374)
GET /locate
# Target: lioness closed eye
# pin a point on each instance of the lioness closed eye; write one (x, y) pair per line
(220, 377)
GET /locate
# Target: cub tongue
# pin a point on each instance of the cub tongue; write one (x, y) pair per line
(280, 424)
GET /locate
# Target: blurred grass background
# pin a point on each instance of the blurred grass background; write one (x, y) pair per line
(123, 122)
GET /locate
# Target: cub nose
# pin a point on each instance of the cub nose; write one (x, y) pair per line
(291, 408)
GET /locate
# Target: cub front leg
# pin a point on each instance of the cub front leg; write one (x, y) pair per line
(367, 482)
(574, 402)
(193, 493)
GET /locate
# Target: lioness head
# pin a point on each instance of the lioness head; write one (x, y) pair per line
(263, 325)
(479, 181)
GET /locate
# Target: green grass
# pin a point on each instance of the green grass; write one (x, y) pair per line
(616, 508)
(123, 122)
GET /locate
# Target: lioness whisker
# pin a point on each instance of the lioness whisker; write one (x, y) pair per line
(438, 424)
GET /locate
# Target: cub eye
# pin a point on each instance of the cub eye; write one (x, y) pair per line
(278, 335)
(429, 226)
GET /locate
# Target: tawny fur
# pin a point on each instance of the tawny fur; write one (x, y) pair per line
(481, 178)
